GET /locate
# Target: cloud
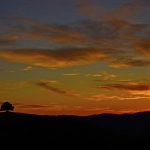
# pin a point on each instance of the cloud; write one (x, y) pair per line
(47, 107)
(122, 111)
(52, 108)
(100, 97)
(94, 75)
(56, 90)
(126, 11)
(84, 32)
(126, 95)
(128, 61)
(28, 68)
(133, 81)
(100, 11)
(130, 87)
(51, 82)
(106, 76)
(71, 74)
(72, 57)
(67, 33)
(143, 46)
(118, 42)
(132, 96)
(6, 40)
(54, 58)
(85, 7)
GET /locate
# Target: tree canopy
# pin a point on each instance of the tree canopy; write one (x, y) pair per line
(6, 106)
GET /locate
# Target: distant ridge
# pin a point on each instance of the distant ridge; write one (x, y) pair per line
(139, 121)
(101, 131)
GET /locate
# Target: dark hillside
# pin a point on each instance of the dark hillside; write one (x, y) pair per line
(105, 131)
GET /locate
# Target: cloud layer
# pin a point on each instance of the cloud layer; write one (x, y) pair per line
(118, 42)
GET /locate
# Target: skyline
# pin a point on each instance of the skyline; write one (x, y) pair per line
(75, 57)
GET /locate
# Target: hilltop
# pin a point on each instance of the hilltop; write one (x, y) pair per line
(104, 131)
(139, 121)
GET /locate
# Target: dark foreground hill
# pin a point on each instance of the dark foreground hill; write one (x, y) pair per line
(104, 131)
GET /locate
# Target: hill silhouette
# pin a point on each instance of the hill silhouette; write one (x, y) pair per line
(103, 131)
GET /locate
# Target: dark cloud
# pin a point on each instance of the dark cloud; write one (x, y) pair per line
(115, 41)
(55, 58)
(128, 62)
(56, 90)
(130, 87)
(83, 32)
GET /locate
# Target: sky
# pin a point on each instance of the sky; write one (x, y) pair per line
(75, 57)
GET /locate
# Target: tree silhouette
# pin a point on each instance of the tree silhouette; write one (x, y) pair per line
(6, 106)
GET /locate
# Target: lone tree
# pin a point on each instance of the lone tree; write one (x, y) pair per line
(6, 106)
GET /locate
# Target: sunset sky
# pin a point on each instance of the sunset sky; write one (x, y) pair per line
(75, 57)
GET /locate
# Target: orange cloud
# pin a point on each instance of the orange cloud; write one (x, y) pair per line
(100, 97)
(54, 58)
(28, 68)
(72, 57)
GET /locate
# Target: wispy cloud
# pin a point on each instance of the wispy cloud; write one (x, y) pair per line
(88, 41)
(105, 75)
(28, 68)
(100, 97)
(108, 76)
(126, 87)
(71, 74)
(6, 40)
(48, 107)
(94, 75)
(127, 11)
(125, 96)
(129, 81)
(57, 90)
(53, 32)
(54, 58)
(55, 108)
(51, 82)
(143, 45)
(98, 10)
